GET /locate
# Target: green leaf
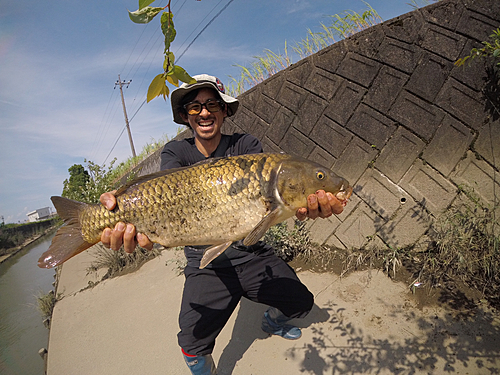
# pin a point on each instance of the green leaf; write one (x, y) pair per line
(496, 53)
(157, 87)
(183, 76)
(144, 15)
(172, 79)
(167, 27)
(145, 3)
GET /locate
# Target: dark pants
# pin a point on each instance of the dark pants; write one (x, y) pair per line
(211, 295)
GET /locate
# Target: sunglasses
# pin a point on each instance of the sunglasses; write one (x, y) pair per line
(195, 108)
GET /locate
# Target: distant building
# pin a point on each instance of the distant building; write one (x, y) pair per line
(40, 214)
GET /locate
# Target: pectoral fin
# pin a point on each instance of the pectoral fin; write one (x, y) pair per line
(260, 229)
(213, 252)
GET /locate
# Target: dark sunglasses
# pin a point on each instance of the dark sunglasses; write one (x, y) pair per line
(195, 108)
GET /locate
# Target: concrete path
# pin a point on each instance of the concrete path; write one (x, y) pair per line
(361, 324)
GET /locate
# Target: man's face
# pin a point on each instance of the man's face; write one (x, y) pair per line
(206, 125)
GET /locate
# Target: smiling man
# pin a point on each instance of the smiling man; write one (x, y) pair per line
(211, 294)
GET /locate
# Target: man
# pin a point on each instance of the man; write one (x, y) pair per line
(211, 294)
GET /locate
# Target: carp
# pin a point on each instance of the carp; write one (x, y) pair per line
(213, 202)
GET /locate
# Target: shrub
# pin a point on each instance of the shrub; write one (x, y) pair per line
(119, 262)
(467, 246)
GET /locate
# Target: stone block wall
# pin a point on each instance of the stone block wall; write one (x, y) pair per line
(388, 110)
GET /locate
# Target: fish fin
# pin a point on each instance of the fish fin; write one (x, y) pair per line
(68, 241)
(213, 252)
(261, 228)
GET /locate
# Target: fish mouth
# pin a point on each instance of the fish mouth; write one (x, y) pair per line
(344, 194)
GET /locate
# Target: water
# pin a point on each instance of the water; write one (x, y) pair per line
(22, 332)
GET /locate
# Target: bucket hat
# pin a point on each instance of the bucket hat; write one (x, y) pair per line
(202, 80)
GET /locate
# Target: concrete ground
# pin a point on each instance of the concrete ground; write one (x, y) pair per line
(363, 323)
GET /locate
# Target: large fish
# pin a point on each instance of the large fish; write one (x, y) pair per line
(214, 202)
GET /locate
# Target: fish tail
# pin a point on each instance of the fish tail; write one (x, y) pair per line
(68, 241)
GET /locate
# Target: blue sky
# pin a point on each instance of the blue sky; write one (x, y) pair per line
(59, 61)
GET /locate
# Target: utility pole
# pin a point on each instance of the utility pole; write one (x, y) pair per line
(120, 83)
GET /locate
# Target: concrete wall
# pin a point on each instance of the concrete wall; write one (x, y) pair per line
(388, 110)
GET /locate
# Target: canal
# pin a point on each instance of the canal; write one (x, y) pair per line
(22, 332)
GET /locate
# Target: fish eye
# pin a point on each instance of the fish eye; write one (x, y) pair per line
(320, 175)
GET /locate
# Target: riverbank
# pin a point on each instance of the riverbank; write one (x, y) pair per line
(361, 323)
(14, 250)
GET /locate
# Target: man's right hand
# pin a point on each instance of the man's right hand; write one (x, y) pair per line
(121, 234)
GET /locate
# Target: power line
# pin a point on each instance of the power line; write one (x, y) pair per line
(177, 60)
(112, 148)
(202, 30)
(194, 29)
(96, 143)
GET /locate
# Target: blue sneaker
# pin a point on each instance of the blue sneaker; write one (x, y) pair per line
(200, 364)
(273, 322)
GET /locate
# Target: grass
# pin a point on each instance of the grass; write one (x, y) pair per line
(341, 26)
(11, 239)
(464, 250)
(179, 261)
(415, 4)
(119, 262)
(45, 305)
(467, 246)
(491, 49)
(290, 243)
(264, 66)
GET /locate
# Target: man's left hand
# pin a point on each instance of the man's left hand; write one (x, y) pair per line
(321, 205)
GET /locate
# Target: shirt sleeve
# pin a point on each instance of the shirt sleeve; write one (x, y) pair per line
(169, 158)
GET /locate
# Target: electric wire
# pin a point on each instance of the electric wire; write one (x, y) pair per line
(112, 148)
(202, 30)
(194, 29)
(100, 134)
(95, 145)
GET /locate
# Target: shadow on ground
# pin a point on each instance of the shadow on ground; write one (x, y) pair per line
(463, 337)
(247, 330)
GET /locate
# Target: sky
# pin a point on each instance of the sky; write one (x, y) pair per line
(60, 60)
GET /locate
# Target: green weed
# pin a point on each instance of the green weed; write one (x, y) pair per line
(491, 49)
(45, 305)
(467, 245)
(290, 243)
(262, 67)
(120, 262)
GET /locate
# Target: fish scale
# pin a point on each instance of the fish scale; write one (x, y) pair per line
(189, 195)
(210, 203)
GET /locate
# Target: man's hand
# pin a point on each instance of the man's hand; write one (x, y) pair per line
(321, 205)
(121, 234)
